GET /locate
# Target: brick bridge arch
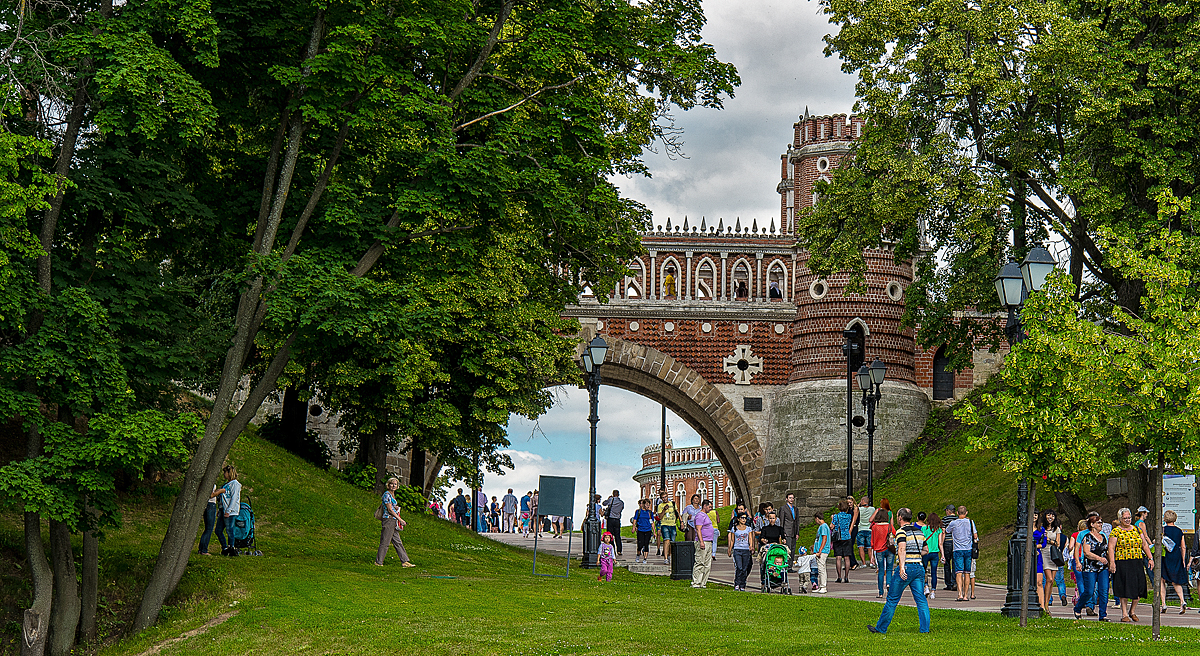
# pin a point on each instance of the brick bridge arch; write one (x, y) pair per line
(661, 378)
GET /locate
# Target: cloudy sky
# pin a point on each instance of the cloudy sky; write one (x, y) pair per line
(731, 169)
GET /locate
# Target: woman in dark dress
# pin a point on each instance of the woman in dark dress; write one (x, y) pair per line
(1173, 570)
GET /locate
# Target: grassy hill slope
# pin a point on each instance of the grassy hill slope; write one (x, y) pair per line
(317, 591)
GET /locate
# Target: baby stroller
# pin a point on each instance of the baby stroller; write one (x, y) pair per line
(774, 572)
(242, 532)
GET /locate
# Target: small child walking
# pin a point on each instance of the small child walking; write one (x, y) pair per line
(607, 555)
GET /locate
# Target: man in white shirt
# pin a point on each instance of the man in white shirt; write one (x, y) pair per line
(963, 536)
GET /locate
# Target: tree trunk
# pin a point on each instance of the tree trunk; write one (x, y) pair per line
(1029, 555)
(1156, 517)
(416, 468)
(1138, 481)
(1072, 506)
(36, 625)
(90, 583)
(372, 450)
(64, 615)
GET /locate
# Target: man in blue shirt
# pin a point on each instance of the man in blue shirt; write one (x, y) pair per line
(525, 514)
(643, 523)
(510, 512)
(821, 546)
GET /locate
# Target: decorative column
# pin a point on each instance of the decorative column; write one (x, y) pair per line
(687, 296)
(724, 287)
(758, 277)
(651, 293)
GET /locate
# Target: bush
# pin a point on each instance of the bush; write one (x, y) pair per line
(359, 475)
(410, 499)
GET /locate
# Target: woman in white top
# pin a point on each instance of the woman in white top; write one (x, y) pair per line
(210, 522)
(230, 506)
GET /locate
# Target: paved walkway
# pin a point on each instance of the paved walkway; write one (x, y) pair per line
(862, 586)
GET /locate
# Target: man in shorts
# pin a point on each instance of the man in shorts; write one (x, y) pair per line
(963, 536)
(863, 538)
(668, 519)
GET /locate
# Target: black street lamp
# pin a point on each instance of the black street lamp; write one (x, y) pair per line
(1013, 285)
(853, 350)
(593, 357)
(870, 381)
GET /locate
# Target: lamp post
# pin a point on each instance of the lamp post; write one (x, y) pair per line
(593, 357)
(870, 381)
(854, 357)
(1013, 285)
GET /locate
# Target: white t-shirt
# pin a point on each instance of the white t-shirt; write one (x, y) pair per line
(962, 532)
(864, 517)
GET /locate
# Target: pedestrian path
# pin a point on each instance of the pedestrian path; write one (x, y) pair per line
(862, 585)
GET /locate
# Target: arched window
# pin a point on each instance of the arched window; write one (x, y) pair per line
(705, 279)
(740, 287)
(943, 376)
(634, 281)
(777, 281)
(669, 275)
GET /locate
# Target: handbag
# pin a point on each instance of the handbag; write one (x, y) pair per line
(1056, 555)
(974, 543)
(379, 512)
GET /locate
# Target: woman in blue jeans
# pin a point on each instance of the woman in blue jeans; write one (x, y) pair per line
(1093, 560)
(910, 542)
(933, 533)
(210, 521)
(885, 560)
(740, 538)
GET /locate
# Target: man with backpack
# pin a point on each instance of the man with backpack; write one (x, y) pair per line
(613, 508)
(668, 522)
(910, 573)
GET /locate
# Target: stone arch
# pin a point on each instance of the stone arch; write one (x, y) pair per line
(659, 377)
(856, 321)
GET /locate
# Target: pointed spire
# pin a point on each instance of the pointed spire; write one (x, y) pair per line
(685, 227)
(703, 227)
(738, 227)
(668, 224)
(806, 112)
(755, 229)
(772, 225)
(720, 225)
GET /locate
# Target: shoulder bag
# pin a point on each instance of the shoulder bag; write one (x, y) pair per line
(379, 512)
(974, 542)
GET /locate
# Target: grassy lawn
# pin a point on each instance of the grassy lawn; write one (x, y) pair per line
(317, 591)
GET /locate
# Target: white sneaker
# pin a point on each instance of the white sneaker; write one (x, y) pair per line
(822, 591)
(932, 594)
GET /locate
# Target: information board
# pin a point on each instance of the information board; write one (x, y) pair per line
(556, 495)
(1179, 494)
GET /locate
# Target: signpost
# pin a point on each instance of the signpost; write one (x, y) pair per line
(1179, 494)
(556, 496)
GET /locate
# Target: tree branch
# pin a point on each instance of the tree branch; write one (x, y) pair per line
(493, 38)
(520, 102)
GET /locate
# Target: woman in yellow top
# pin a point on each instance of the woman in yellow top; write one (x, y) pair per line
(1125, 550)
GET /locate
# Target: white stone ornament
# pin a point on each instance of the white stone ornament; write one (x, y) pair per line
(668, 326)
(706, 327)
(779, 329)
(743, 328)
(633, 325)
(743, 364)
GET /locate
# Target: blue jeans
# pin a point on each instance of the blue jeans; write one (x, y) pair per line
(864, 538)
(224, 531)
(1062, 584)
(930, 562)
(885, 565)
(1093, 583)
(914, 582)
(210, 521)
(668, 533)
(962, 560)
(741, 563)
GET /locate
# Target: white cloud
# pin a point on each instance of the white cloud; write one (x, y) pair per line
(733, 153)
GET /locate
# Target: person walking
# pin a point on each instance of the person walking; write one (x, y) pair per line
(933, 532)
(525, 499)
(706, 541)
(1049, 534)
(643, 523)
(1174, 573)
(947, 550)
(459, 504)
(866, 512)
(606, 554)
(853, 531)
(822, 545)
(1072, 553)
(910, 547)
(1127, 547)
(613, 508)
(839, 527)
(962, 536)
(668, 522)
(740, 537)
(790, 520)
(882, 534)
(391, 525)
(534, 518)
(509, 509)
(1093, 570)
